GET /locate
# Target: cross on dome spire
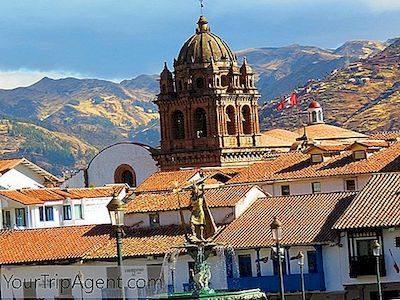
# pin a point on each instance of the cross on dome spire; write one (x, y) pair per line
(202, 25)
(201, 6)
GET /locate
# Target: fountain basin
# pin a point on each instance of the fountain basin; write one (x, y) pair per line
(255, 294)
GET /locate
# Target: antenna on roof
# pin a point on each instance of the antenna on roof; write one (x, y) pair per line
(201, 6)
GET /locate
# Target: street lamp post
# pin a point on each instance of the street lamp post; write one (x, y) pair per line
(276, 230)
(300, 257)
(116, 209)
(376, 249)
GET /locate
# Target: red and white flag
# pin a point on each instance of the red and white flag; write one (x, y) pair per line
(287, 102)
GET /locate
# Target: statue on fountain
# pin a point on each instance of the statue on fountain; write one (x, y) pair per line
(201, 221)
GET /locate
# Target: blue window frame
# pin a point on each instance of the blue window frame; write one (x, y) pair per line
(41, 214)
(20, 216)
(46, 213)
(67, 212)
(49, 213)
(312, 261)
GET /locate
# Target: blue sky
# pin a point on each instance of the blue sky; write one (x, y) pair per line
(119, 39)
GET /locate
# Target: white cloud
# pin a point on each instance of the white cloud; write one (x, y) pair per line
(10, 79)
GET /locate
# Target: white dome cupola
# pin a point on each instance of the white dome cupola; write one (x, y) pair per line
(315, 113)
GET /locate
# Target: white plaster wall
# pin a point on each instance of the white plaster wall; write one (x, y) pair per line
(304, 186)
(102, 168)
(94, 212)
(333, 268)
(30, 173)
(16, 179)
(246, 202)
(221, 215)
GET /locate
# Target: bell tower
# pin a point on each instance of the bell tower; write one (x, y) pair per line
(208, 106)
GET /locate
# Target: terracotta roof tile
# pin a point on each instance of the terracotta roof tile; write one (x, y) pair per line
(143, 242)
(296, 165)
(166, 180)
(227, 196)
(51, 244)
(7, 164)
(377, 205)
(328, 132)
(278, 138)
(306, 219)
(20, 197)
(371, 143)
(386, 135)
(328, 147)
(38, 196)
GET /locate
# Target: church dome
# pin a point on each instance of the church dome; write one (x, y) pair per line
(314, 104)
(203, 46)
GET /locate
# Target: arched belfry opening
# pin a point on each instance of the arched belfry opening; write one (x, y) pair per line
(246, 120)
(231, 120)
(178, 125)
(200, 123)
(125, 174)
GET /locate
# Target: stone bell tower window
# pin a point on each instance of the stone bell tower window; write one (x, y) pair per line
(200, 82)
(178, 125)
(225, 80)
(200, 123)
(230, 121)
(246, 119)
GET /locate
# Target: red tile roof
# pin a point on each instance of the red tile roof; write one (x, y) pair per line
(328, 132)
(328, 147)
(306, 219)
(166, 180)
(143, 242)
(7, 164)
(84, 242)
(296, 165)
(386, 135)
(20, 197)
(371, 143)
(227, 196)
(377, 205)
(51, 244)
(38, 196)
(278, 138)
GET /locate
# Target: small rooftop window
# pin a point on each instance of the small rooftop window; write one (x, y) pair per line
(317, 158)
(359, 154)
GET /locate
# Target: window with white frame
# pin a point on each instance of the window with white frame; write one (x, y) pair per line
(20, 217)
(316, 187)
(317, 158)
(78, 212)
(46, 213)
(359, 154)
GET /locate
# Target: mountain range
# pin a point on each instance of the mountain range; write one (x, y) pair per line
(364, 96)
(62, 123)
